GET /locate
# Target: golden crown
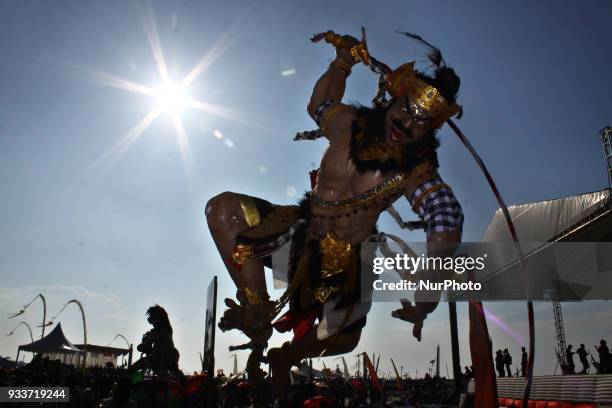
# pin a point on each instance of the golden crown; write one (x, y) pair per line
(404, 81)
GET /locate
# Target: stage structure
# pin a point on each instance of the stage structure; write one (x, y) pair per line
(208, 361)
(581, 218)
(560, 335)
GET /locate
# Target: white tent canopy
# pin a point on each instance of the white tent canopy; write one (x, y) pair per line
(553, 220)
(55, 341)
(565, 244)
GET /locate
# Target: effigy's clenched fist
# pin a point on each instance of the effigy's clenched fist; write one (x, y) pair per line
(412, 314)
(348, 45)
(253, 316)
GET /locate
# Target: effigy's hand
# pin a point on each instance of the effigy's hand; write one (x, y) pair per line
(252, 318)
(411, 314)
(348, 48)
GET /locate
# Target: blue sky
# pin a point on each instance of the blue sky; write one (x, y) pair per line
(123, 233)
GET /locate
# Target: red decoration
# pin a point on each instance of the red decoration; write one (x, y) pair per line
(482, 358)
(318, 402)
(301, 324)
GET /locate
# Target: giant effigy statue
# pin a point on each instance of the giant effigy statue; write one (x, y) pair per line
(375, 156)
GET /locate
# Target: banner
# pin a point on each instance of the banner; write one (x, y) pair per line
(208, 362)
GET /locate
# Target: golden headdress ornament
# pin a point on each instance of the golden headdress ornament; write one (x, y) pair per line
(404, 81)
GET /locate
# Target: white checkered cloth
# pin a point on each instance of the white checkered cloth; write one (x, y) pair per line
(440, 211)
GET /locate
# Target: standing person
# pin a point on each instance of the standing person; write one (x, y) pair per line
(374, 157)
(499, 363)
(508, 362)
(604, 357)
(523, 362)
(468, 373)
(582, 355)
(569, 357)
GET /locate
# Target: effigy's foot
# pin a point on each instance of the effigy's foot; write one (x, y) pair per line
(253, 316)
(253, 369)
(280, 360)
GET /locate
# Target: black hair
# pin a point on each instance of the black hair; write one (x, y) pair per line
(160, 314)
(445, 80)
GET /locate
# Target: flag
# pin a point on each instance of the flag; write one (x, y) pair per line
(398, 379)
(373, 375)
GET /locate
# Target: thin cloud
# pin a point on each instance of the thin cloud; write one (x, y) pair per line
(20, 294)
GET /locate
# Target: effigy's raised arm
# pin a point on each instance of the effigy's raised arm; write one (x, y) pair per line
(328, 92)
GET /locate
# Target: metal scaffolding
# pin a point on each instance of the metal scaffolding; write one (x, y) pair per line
(560, 334)
(606, 140)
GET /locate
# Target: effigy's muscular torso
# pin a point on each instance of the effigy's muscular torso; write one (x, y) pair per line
(348, 203)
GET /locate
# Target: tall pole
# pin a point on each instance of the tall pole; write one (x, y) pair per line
(27, 326)
(438, 361)
(119, 336)
(309, 369)
(22, 311)
(606, 139)
(365, 368)
(452, 312)
(76, 301)
(44, 314)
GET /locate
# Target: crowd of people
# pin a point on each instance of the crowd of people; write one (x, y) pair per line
(602, 366)
(503, 361)
(118, 387)
(103, 386)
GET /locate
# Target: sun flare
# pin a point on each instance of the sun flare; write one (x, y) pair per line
(170, 97)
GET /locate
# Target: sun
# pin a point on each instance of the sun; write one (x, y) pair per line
(170, 97)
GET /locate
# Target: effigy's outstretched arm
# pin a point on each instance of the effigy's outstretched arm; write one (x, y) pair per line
(440, 244)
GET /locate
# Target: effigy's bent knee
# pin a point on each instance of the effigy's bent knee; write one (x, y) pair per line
(221, 209)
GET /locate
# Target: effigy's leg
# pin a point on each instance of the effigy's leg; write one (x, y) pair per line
(281, 359)
(226, 219)
(229, 214)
